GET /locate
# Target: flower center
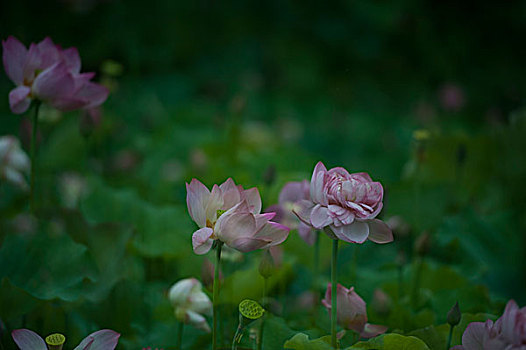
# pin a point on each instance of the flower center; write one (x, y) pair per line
(55, 341)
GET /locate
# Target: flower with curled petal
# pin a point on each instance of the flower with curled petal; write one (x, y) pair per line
(190, 303)
(346, 203)
(231, 214)
(46, 72)
(352, 312)
(104, 339)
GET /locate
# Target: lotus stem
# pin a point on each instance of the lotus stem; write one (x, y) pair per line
(180, 330)
(333, 292)
(450, 336)
(33, 157)
(216, 294)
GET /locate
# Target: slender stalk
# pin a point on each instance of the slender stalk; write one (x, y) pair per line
(334, 286)
(449, 337)
(316, 260)
(180, 330)
(216, 294)
(263, 302)
(416, 285)
(237, 337)
(33, 157)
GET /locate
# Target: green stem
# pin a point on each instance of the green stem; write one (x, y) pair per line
(180, 330)
(33, 157)
(237, 337)
(334, 287)
(449, 337)
(416, 285)
(316, 259)
(216, 293)
(264, 299)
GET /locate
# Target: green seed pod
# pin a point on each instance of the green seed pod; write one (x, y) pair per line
(55, 341)
(251, 309)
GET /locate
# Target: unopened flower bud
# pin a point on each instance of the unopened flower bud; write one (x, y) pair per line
(423, 244)
(266, 265)
(55, 341)
(454, 315)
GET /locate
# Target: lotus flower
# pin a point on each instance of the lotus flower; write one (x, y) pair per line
(104, 339)
(291, 193)
(347, 203)
(507, 333)
(352, 313)
(190, 303)
(231, 215)
(14, 162)
(48, 73)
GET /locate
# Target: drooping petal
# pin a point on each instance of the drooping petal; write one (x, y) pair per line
(273, 232)
(105, 339)
(180, 291)
(372, 330)
(473, 336)
(201, 241)
(306, 233)
(14, 55)
(232, 226)
(28, 340)
(317, 183)
(200, 302)
(319, 217)
(92, 94)
(379, 232)
(248, 244)
(357, 232)
(197, 320)
(53, 83)
(253, 199)
(303, 209)
(196, 199)
(19, 100)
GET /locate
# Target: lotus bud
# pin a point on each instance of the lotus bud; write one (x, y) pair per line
(381, 302)
(266, 265)
(454, 315)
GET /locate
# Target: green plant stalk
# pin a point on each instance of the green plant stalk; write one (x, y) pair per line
(33, 157)
(216, 294)
(237, 336)
(416, 285)
(263, 302)
(180, 330)
(334, 286)
(316, 260)
(450, 336)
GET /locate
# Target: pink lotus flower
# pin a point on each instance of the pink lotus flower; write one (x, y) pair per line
(347, 203)
(291, 193)
(14, 162)
(104, 339)
(231, 215)
(352, 312)
(48, 73)
(190, 303)
(507, 333)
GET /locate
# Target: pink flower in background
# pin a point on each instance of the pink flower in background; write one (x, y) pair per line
(231, 214)
(507, 333)
(352, 312)
(48, 73)
(291, 193)
(14, 162)
(347, 203)
(190, 303)
(104, 339)
(452, 97)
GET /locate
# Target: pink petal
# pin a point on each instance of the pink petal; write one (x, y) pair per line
(215, 202)
(196, 199)
(372, 330)
(197, 320)
(253, 199)
(14, 55)
(319, 217)
(357, 232)
(292, 192)
(363, 175)
(303, 209)
(234, 225)
(231, 194)
(85, 344)
(49, 53)
(19, 100)
(32, 63)
(93, 94)
(53, 83)
(317, 183)
(379, 232)
(105, 339)
(273, 232)
(306, 233)
(262, 219)
(201, 240)
(508, 320)
(28, 340)
(248, 244)
(473, 336)
(72, 59)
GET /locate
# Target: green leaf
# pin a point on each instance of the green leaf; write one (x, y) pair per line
(276, 332)
(301, 341)
(391, 341)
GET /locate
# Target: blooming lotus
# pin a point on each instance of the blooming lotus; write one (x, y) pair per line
(346, 203)
(291, 193)
(190, 303)
(231, 214)
(352, 313)
(507, 333)
(104, 339)
(14, 162)
(46, 72)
